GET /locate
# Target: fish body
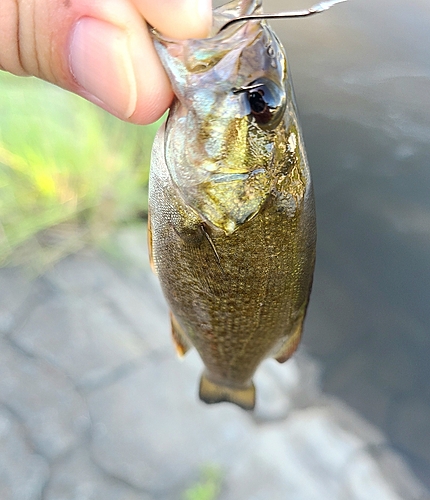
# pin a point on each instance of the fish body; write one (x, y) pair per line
(232, 220)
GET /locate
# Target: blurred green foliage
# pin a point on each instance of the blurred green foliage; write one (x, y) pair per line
(69, 172)
(208, 487)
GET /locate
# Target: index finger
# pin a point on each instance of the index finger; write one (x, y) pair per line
(178, 19)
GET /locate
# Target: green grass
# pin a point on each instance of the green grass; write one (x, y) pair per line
(69, 172)
(208, 487)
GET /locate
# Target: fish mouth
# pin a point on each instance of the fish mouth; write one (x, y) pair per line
(233, 10)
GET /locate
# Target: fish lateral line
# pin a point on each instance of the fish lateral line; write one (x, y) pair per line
(315, 9)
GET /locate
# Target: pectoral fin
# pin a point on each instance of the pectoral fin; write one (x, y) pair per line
(182, 344)
(211, 392)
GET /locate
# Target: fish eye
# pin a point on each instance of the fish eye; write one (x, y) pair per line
(259, 106)
(266, 102)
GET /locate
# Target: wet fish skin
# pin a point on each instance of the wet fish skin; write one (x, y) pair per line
(232, 218)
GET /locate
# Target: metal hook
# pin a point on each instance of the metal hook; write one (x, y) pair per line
(315, 9)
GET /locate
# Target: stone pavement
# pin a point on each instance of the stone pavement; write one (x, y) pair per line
(95, 405)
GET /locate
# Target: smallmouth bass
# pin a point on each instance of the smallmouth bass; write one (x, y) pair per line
(232, 229)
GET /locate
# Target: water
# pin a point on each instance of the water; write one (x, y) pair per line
(362, 78)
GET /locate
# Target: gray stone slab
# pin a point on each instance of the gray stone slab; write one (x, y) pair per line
(81, 273)
(130, 290)
(132, 260)
(315, 454)
(302, 456)
(159, 437)
(129, 246)
(282, 388)
(83, 336)
(353, 423)
(44, 399)
(77, 477)
(144, 310)
(104, 328)
(394, 469)
(23, 472)
(363, 480)
(15, 288)
(150, 430)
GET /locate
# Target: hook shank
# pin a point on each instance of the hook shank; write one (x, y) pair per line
(315, 9)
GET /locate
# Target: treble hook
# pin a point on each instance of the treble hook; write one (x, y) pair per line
(315, 9)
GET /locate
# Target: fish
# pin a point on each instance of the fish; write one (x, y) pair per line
(232, 226)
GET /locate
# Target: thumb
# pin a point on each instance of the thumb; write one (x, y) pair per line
(99, 49)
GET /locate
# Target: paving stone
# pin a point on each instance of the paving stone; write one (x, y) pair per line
(81, 273)
(6, 321)
(130, 247)
(105, 327)
(283, 387)
(144, 309)
(131, 292)
(132, 259)
(380, 475)
(363, 480)
(77, 478)
(287, 458)
(82, 336)
(302, 456)
(397, 474)
(269, 470)
(151, 430)
(23, 472)
(159, 438)
(321, 444)
(44, 399)
(353, 423)
(15, 288)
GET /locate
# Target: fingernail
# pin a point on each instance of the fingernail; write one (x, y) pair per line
(101, 64)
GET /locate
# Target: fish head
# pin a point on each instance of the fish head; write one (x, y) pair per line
(227, 131)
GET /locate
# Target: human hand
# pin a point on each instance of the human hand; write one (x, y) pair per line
(99, 49)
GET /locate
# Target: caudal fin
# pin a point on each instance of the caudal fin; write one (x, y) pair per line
(211, 393)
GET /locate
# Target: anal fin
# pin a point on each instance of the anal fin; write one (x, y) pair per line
(182, 344)
(211, 392)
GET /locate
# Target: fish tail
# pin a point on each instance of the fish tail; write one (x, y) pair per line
(211, 392)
